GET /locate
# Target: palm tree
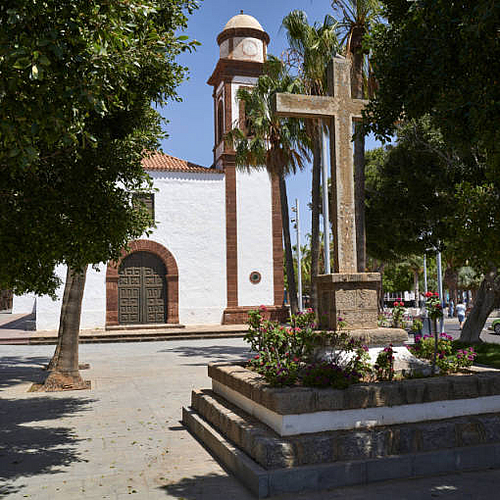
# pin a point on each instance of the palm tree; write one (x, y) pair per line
(311, 49)
(276, 144)
(357, 18)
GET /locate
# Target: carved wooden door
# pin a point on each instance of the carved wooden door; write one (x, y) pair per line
(142, 289)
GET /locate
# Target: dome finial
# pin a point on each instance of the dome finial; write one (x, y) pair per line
(241, 11)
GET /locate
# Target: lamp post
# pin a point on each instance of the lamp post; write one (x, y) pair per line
(440, 288)
(299, 253)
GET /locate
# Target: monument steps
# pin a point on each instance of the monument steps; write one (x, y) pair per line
(271, 464)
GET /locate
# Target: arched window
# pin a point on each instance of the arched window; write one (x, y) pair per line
(220, 123)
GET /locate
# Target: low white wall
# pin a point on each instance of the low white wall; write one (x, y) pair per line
(304, 423)
(24, 304)
(93, 304)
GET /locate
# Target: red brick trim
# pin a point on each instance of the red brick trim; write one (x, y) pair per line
(239, 315)
(172, 278)
(277, 229)
(231, 237)
(227, 68)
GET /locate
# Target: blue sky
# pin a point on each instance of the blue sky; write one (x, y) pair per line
(190, 126)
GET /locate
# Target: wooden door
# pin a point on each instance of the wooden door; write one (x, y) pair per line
(142, 289)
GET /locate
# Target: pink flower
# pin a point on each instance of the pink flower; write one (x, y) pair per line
(263, 308)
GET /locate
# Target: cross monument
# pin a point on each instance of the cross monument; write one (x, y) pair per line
(345, 293)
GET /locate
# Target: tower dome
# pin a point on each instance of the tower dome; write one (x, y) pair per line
(243, 39)
(243, 21)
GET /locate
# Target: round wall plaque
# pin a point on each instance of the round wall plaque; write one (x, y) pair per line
(255, 277)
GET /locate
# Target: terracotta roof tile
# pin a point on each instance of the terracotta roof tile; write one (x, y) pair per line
(163, 162)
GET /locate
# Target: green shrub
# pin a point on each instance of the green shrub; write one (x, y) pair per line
(448, 359)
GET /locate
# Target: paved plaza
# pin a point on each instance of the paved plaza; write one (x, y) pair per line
(124, 437)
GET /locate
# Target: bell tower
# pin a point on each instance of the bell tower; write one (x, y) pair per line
(242, 52)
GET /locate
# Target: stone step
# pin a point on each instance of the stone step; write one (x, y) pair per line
(150, 326)
(234, 428)
(125, 337)
(272, 451)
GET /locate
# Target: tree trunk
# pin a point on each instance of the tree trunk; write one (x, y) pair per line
(64, 364)
(415, 288)
(487, 299)
(357, 56)
(290, 273)
(316, 201)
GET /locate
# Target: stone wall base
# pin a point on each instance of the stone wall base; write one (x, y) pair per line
(271, 465)
(239, 315)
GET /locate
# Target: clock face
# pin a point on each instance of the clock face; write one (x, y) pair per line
(249, 48)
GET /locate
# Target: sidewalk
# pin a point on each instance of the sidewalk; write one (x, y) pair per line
(123, 439)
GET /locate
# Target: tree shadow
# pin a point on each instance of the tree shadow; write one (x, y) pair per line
(211, 353)
(208, 486)
(18, 369)
(29, 445)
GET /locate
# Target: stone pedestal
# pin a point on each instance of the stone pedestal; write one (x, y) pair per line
(350, 296)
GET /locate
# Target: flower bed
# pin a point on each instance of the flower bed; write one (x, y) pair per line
(286, 354)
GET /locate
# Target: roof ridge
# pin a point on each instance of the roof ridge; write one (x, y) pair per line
(160, 161)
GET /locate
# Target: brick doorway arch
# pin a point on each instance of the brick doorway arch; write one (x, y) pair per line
(172, 278)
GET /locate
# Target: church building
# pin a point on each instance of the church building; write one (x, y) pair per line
(217, 249)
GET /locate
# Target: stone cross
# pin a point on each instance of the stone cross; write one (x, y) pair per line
(340, 108)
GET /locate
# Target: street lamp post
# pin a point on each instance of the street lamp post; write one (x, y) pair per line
(299, 253)
(440, 287)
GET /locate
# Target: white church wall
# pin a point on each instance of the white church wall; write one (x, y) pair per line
(254, 237)
(93, 316)
(24, 304)
(190, 215)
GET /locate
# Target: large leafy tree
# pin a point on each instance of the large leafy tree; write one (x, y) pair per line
(77, 76)
(311, 49)
(279, 145)
(78, 80)
(426, 61)
(440, 58)
(421, 195)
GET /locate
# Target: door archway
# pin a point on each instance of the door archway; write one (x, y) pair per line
(142, 289)
(138, 284)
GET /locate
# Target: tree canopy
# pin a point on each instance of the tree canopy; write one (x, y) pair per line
(78, 80)
(441, 58)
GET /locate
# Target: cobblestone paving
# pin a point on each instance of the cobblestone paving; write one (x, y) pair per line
(123, 439)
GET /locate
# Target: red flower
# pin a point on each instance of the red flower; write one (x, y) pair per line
(436, 294)
(263, 309)
(428, 294)
(396, 304)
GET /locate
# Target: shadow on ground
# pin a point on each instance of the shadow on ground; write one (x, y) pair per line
(19, 323)
(29, 445)
(16, 370)
(206, 487)
(211, 354)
